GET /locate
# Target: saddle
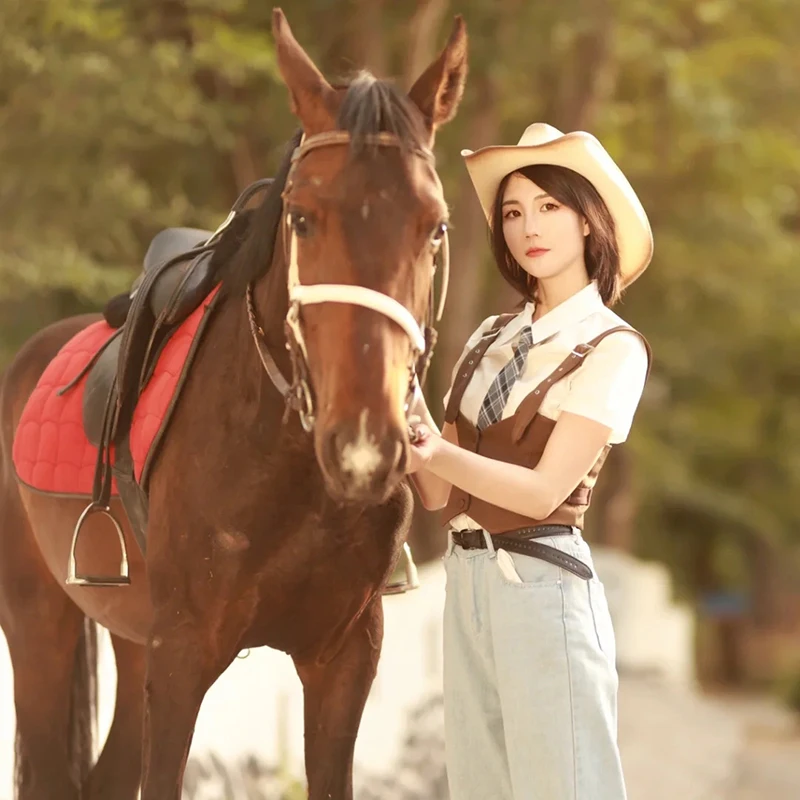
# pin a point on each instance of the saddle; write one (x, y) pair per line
(178, 274)
(176, 278)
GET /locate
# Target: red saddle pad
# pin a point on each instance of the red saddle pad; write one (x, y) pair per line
(51, 452)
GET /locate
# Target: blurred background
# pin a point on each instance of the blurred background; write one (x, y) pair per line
(121, 117)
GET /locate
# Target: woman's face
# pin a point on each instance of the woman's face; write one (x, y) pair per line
(545, 237)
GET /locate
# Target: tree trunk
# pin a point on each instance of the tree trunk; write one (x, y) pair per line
(768, 584)
(423, 30)
(469, 243)
(244, 163)
(586, 79)
(615, 502)
(169, 20)
(359, 41)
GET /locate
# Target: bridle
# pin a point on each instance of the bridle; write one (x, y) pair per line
(298, 394)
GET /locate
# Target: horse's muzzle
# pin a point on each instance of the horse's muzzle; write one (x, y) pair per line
(360, 466)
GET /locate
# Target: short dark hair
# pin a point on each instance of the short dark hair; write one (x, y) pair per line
(573, 190)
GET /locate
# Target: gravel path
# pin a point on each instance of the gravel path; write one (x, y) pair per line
(679, 744)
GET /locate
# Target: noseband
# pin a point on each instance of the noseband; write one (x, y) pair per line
(298, 394)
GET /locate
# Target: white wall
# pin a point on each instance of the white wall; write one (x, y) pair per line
(654, 634)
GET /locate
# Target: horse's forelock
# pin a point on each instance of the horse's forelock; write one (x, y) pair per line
(372, 106)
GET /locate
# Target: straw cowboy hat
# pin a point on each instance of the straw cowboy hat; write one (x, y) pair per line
(581, 152)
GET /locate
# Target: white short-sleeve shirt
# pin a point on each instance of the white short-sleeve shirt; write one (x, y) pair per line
(607, 387)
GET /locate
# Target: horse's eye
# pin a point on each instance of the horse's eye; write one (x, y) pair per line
(301, 224)
(438, 234)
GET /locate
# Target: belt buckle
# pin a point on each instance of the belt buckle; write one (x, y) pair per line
(469, 539)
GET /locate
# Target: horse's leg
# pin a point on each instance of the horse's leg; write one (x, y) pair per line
(183, 661)
(334, 695)
(118, 771)
(52, 656)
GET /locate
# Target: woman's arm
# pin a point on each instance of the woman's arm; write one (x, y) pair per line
(432, 490)
(572, 450)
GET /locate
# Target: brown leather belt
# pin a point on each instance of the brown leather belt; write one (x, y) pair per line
(519, 541)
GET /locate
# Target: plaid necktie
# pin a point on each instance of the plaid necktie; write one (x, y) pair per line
(497, 396)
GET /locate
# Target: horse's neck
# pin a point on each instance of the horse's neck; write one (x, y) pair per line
(232, 359)
(270, 300)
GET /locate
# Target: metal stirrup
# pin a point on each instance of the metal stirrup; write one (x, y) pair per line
(73, 578)
(411, 579)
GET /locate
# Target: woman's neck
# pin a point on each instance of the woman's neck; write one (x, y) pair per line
(554, 291)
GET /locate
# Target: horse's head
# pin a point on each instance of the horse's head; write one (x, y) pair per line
(365, 220)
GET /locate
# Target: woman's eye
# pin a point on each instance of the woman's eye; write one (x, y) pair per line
(513, 214)
(550, 206)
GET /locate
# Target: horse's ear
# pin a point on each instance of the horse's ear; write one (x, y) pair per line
(438, 90)
(312, 97)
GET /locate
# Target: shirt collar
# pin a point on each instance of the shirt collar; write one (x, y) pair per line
(573, 310)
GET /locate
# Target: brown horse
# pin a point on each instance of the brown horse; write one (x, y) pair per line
(262, 530)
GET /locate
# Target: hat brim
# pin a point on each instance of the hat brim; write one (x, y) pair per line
(582, 153)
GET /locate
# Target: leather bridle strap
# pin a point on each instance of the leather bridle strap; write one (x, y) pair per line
(267, 361)
(313, 294)
(381, 139)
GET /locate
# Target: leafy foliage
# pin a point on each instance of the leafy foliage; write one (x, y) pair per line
(121, 117)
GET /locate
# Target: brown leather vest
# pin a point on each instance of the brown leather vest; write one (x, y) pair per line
(519, 439)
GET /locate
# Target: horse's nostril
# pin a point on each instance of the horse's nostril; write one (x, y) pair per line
(331, 449)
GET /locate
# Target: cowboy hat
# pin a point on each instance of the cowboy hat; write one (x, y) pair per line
(582, 153)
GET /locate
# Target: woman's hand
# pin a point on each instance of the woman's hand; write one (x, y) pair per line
(424, 444)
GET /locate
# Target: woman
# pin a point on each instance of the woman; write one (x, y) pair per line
(538, 399)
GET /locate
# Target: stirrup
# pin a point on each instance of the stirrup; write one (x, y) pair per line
(73, 578)
(411, 579)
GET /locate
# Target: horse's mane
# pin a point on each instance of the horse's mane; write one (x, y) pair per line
(245, 250)
(369, 106)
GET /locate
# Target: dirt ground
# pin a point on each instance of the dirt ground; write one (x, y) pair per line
(677, 743)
